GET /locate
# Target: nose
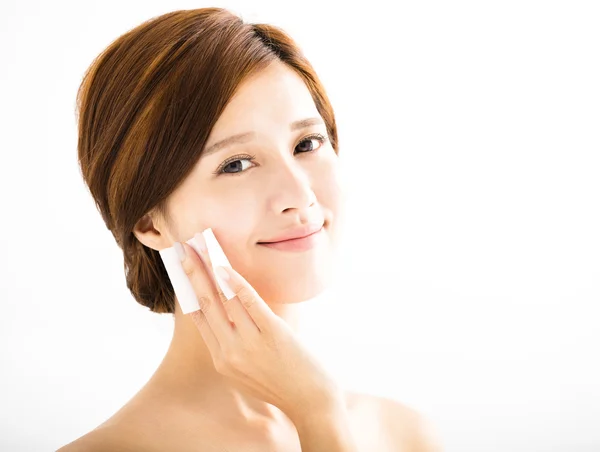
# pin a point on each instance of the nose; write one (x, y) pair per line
(292, 190)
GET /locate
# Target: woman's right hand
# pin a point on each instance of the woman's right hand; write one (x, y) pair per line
(256, 350)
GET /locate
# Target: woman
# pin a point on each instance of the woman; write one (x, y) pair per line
(197, 120)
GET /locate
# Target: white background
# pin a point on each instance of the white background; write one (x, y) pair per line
(470, 283)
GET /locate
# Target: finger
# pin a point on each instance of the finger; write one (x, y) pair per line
(224, 302)
(241, 318)
(237, 314)
(255, 306)
(199, 244)
(206, 332)
(212, 309)
(215, 255)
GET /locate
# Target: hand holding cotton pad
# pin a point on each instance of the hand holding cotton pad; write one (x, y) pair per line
(262, 355)
(181, 284)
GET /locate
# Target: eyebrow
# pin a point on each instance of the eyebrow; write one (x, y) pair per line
(247, 136)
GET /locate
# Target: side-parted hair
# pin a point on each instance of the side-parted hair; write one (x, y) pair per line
(146, 107)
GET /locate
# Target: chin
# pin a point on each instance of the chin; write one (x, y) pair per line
(294, 289)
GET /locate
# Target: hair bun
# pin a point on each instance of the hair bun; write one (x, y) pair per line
(147, 278)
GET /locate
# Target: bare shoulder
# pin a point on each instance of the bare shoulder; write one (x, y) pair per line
(99, 439)
(145, 426)
(405, 428)
(410, 426)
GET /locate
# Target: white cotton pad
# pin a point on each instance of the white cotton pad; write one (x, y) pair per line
(216, 253)
(217, 258)
(180, 281)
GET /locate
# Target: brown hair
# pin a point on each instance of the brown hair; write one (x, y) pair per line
(146, 107)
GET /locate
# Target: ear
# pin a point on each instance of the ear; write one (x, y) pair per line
(152, 233)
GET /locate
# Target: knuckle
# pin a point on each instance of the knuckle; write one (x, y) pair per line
(246, 297)
(219, 364)
(235, 361)
(227, 363)
(198, 318)
(227, 303)
(188, 267)
(230, 356)
(205, 304)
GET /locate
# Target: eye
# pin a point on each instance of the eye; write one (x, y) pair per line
(234, 162)
(309, 139)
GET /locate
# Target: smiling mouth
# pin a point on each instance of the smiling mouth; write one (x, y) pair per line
(299, 243)
(295, 238)
(291, 240)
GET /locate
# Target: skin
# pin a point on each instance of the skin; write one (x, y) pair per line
(281, 188)
(255, 201)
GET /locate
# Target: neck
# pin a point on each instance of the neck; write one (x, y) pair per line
(187, 371)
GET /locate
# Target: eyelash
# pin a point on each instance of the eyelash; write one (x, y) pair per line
(316, 136)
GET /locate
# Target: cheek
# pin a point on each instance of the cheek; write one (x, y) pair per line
(331, 194)
(233, 218)
(329, 188)
(233, 213)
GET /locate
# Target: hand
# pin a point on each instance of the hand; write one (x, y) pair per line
(254, 348)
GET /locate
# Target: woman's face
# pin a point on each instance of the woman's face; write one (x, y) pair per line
(276, 178)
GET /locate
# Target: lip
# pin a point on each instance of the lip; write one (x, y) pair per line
(294, 234)
(298, 244)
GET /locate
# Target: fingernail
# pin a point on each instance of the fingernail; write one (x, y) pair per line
(180, 250)
(199, 239)
(222, 278)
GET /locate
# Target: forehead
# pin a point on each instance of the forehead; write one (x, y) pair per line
(274, 95)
